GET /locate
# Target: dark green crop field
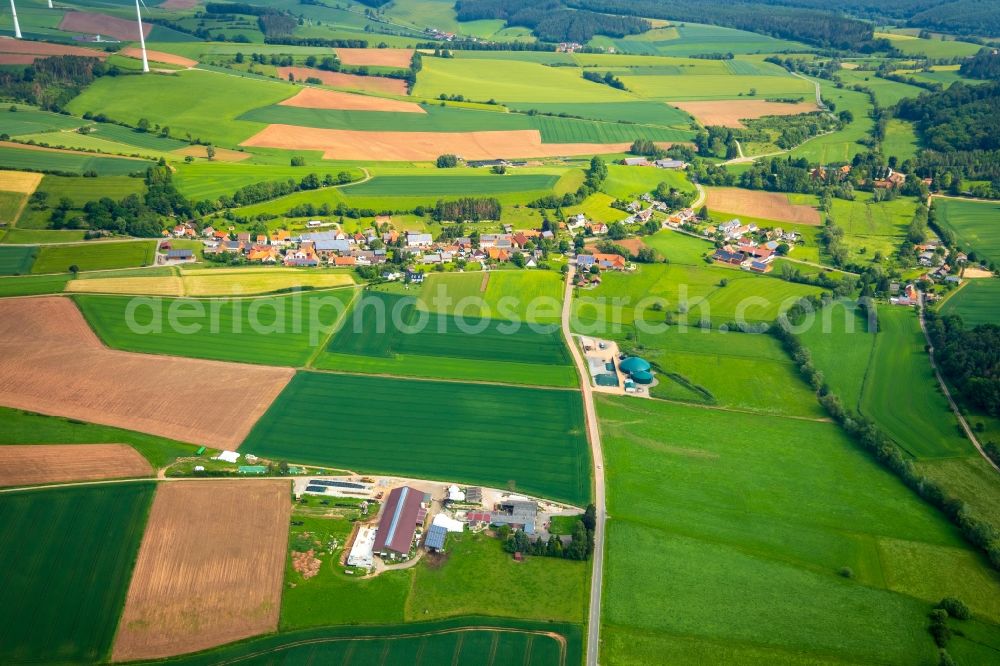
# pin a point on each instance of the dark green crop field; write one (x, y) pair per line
(465, 640)
(475, 433)
(17, 260)
(978, 302)
(976, 225)
(272, 330)
(386, 333)
(67, 557)
(93, 256)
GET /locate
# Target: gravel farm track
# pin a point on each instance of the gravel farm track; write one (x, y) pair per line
(210, 568)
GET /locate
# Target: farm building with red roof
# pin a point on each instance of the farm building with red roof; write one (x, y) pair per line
(400, 518)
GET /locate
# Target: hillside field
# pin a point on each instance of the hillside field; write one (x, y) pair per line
(493, 435)
(976, 225)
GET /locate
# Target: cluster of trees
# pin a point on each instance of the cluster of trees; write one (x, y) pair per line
(608, 79)
(467, 208)
(265, 191)
(717, 141)
(647, 148)
(595, 175)
(52, 82)
(580, 547)
(984, 65)
(551, 20)
(962, 117)
(446, 161)
(134, 215)
(822, 28)
(968, 358)
(885, 451)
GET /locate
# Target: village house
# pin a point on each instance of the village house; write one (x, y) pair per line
(597, 228)
(267, 254)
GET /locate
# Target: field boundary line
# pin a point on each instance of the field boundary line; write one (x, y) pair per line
(336, 328)
(483, 382)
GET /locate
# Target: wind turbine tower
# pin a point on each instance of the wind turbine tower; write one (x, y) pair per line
(142, 37)
(17, 26)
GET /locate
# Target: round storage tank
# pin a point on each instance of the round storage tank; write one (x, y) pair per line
(634, 364)
(642, 377)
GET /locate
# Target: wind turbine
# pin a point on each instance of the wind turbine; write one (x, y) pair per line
(17, 27)
(142, 37)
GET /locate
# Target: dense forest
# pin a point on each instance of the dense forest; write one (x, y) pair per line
(969, 358)
(984, 65)
(467, 209)
(968, 17)
(821, 28)
(550, 20)
(51, 82)
(960, 127)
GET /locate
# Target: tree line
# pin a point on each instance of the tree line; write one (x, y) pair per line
(550, 20)
(52, 82)
(968, 358)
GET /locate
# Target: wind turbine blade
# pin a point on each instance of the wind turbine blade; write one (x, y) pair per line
(17, 26)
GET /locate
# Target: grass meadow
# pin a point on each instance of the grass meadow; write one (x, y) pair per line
(902, 395)
(750, 518)
(841, 347)
(977, 302)
(93, 256)
(27, 120)
(225, 328)
(508, 295)
(499, 436)
(840, 146)
(67, 558)
(974, 224)
(931, 48)
(412, 342)
(79, 191)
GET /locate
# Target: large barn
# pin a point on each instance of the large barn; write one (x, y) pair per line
(400, 518)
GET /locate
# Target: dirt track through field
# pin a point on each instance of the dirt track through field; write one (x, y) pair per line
(315, 98)
(375, 84)
(210, 568)
(377, 57)
(421, 146)
(9, 45)
(756, 203)
(30, 464)
(729, 113)
(90, 23)
(158, 56)
(52, 363)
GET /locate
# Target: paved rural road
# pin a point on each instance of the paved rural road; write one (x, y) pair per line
(947, 393)
(594, 435)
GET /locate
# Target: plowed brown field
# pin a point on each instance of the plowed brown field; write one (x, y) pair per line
(179, 4)
(376, 84)
(315, 98)
(221, 154)
(210, 568)
(9, 45)
(159, 56)
(421, 146)
(23, 465)
(378, 57)
(766, 205)
(51, 362)
(729, 113)
(90, 23)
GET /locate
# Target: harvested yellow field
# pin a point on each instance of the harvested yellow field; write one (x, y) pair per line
(19, 181)
(239, 282)
(153, 286)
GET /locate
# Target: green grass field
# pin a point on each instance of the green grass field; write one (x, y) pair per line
(930, 48)
(493, 435)
(93, 256)
(717, 86)
(27, 159)
(902, 395)
(521, 296)
(275, 330)
(10, 206)
(840, 146)
(977, 302)
(388, 334)
(451, 185)
(168, 100)
(887, 93)
(975, 225)
(679, 248)
(67, 555)
(841, 349)
(640, 112)
(29, 121)
(868, 227)
(693, 39)
(17, 260)
(205, 180)
(625, 182)
(32, 285)
(901, 140)
(750, 548)
(79, 191)
(460, 641)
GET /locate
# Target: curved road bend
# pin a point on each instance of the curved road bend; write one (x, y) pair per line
(594, 435)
